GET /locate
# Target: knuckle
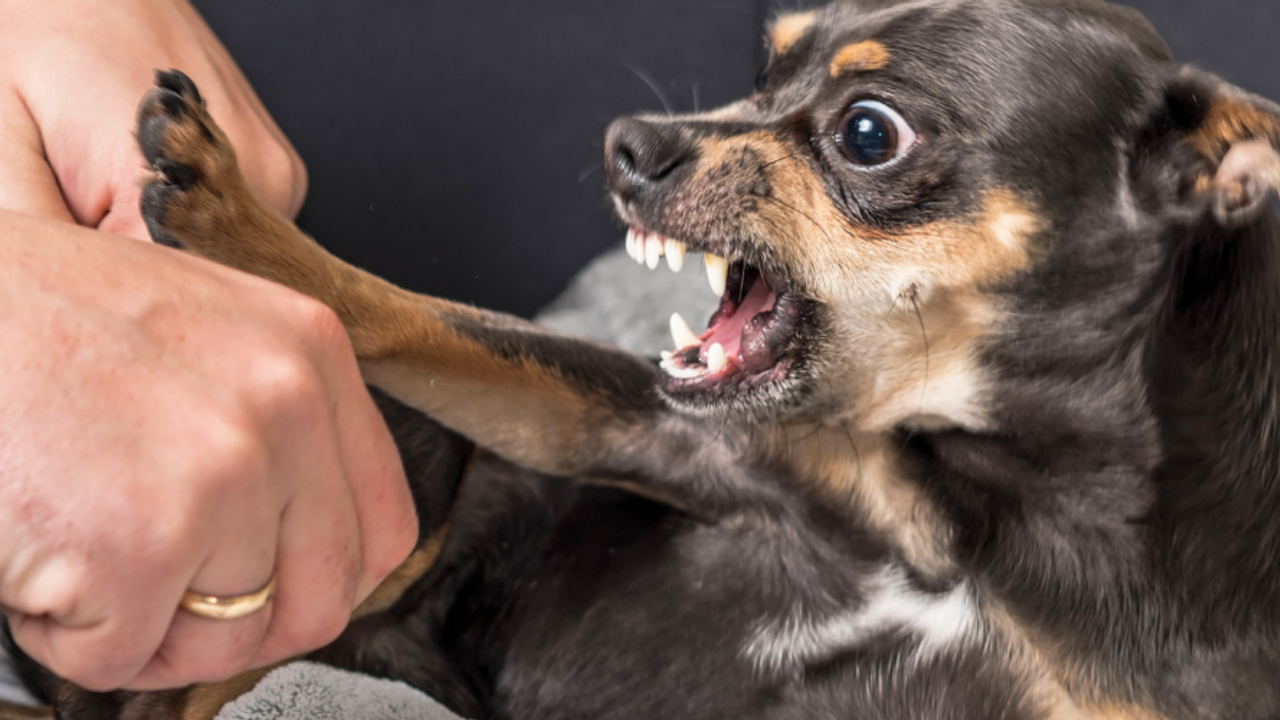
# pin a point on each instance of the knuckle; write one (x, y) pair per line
(322, 323)
(228, 459)
(285, 382)
(234, 449)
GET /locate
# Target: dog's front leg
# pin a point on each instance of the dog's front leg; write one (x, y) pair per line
(558, 405)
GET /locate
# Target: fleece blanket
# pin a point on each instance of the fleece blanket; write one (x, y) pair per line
(613, 299)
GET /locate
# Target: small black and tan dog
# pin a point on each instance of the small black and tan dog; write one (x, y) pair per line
(987, 424)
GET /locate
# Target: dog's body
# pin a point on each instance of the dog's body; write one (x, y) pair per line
(986, 425)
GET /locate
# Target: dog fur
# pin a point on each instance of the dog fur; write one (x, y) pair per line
(1006, 446)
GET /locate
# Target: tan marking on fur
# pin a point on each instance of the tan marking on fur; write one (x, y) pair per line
(13, 711)
(204, 702)
(521, 410)
(875, 281)
(865, 469)
(809, 230)
(862, 56)
(1051, 681)
(1230, 121)
(409, 572)
(788, 29)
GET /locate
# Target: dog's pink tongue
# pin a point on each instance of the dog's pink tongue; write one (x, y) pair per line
(728, 332)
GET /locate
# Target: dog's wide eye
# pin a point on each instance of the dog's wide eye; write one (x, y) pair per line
(762, 78)
(871, 133)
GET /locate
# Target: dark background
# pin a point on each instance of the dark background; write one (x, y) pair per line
(455, 147)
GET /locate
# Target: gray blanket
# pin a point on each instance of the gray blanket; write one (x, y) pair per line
(614, 300)
(307, 691)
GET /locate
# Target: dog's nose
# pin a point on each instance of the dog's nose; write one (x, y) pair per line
(639, 155)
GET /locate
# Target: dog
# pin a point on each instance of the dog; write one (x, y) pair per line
(986, 424)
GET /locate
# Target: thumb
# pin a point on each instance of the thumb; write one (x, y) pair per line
(124, 217)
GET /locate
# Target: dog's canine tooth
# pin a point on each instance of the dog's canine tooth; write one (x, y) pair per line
(666, 356)
(631, 243)
(653, 251)
(683, 334)
(716, 358)
(675, 254)
(717, 273)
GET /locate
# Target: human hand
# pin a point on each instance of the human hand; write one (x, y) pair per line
(166, 423)
(192, 427)
(71, 75)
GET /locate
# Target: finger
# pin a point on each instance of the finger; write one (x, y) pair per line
(384, 506)
(388, 521)
(125, 215)
(199, 649)
(318, 563)
(83, 639)
(27, 183)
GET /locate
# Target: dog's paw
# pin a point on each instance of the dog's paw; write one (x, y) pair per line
(194, 164)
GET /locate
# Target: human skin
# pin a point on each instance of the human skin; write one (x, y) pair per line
(165, 423)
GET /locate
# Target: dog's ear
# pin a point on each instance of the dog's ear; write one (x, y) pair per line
(1236, 137)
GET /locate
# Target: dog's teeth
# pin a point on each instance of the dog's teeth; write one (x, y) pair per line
(686, 373)
(675, 255)
(652, 251)
(637, 247)
(716, 359)
(631, 243)
(717, 273)
(683, 334)
(666, 356)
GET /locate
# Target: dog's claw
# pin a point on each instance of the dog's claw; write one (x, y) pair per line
(178, 83)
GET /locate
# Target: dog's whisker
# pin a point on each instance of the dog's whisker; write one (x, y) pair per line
(913, 292)
(587, 173)
(857, 456)
(771, 163)
(653, 85)
(803, 214)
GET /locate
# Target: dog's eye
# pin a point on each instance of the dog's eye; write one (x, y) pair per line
(871, 133)
(762, 78)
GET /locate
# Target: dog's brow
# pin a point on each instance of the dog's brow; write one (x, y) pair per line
(859, 57)
(788, 29)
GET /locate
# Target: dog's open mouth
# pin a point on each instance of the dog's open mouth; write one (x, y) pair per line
(750, 342)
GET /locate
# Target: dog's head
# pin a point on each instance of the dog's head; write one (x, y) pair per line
(909, 178)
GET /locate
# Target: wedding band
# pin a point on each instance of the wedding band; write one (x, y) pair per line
(216, 607)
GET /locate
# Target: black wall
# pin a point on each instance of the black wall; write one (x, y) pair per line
(454, 148)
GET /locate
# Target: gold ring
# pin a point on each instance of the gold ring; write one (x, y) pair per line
(215, 607)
